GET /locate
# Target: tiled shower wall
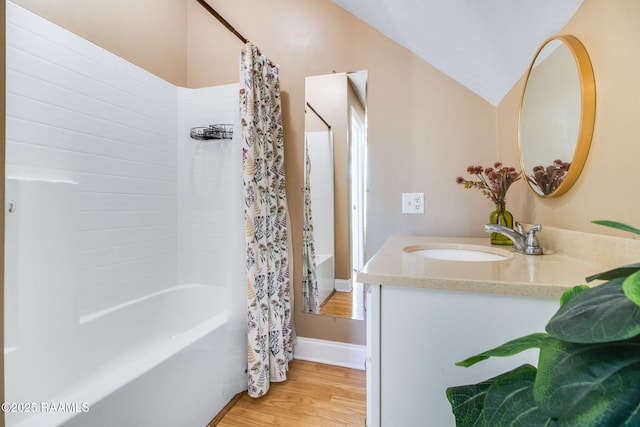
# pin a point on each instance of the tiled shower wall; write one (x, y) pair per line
(211, 217)
(320, 148)
(156, 208)
(76, 112)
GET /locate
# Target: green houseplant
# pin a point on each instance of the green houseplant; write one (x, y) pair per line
(588, 370)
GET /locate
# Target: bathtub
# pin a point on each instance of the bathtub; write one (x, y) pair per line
(172, 357)
(162, 365)
(324, 276)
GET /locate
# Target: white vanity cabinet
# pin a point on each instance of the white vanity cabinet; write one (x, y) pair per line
(414, 337)
(372, 362)
(424, 315)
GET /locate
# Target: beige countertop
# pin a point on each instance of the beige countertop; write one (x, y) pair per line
(545, 276)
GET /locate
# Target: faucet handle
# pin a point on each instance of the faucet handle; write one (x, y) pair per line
(519, 228)
(533, 245)
(534, 229)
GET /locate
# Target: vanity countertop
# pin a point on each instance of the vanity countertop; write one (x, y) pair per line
(544, 276)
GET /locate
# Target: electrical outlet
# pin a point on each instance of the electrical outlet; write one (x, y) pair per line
(413, 203)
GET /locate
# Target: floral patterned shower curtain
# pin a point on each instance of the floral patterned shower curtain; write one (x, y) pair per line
(310, 297)
(270, 347)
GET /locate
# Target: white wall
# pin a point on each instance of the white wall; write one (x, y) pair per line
(210, 214)
(209, 188)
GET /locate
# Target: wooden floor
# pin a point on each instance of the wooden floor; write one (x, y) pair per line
(314, 395)
(345, 304)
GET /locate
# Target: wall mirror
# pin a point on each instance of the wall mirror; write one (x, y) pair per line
(557, 114)
(334, 193)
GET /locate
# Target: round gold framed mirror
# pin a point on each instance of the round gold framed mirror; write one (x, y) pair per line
(557, 114)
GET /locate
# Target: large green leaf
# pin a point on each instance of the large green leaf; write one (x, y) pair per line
(467, 403)
(631, 287)
(590, 384)
(624, 271)
(618, 225)
(510, 402)
(569, 294)
(506, 400)
(507, 349)
(600, 314)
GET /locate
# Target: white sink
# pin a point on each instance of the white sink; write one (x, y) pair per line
(454, 252)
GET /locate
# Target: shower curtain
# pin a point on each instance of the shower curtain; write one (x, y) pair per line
(310, 296)
(270, 322)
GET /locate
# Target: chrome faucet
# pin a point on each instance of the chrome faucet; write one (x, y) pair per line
(523, 243)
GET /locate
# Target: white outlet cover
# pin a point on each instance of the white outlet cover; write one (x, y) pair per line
(413, 203)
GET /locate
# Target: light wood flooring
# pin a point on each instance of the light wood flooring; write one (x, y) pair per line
(314, 395)
(345, 304)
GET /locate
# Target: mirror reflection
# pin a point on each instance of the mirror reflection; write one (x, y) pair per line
(556, 116)
(334, 195)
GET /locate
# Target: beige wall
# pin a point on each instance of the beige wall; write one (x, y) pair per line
(424, 129)
(608, 186)
(149, 33)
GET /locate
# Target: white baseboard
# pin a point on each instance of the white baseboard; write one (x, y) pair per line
(343, 285)
(330, 353)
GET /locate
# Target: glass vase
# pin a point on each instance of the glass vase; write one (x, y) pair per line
(501, 216)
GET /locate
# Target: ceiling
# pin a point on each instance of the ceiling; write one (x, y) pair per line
(486, 45)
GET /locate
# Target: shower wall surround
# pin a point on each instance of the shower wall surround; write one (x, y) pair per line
(156, 208)
(211, 216)
(78, 113)
(210, 200)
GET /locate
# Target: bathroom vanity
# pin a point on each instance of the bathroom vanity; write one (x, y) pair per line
(425, 313)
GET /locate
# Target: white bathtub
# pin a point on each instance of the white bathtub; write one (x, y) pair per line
(168, 358)
(154, 361)
(324, 276)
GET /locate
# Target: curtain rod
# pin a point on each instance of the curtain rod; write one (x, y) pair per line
(223, 21)
(319, 116)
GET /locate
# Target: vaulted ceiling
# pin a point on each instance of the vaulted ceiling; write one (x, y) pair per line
(486, 45)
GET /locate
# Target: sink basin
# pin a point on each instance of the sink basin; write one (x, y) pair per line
(453, 252)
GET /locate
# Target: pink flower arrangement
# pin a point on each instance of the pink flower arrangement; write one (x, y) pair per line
(549, 179)
(493, 182)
